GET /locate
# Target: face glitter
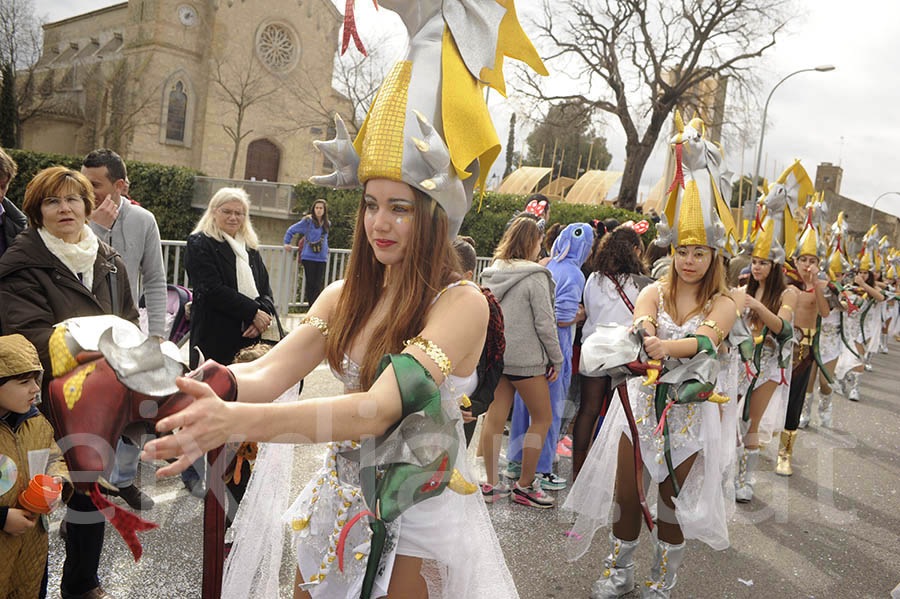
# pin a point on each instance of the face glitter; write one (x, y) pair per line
(403, 219)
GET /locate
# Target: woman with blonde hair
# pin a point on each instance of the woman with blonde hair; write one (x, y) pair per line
(233, 303)
(532, 357)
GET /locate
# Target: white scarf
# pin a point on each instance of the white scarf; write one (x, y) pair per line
(78, 257)
(245, 281)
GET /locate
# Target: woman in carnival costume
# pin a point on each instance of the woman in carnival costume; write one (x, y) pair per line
(866, 296)
(832, 331)
(392, 512)
(681, 319)
(769, 312)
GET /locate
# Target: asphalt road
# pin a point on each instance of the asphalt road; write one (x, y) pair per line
(832, 530)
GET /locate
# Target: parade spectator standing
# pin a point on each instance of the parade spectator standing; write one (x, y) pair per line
(58, 269)
(23, 542)
(132, 231)
(233, 303)
(313, 231)
(12, 221)
(532, 358)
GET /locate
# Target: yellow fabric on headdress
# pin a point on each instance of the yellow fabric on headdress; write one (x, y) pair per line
(512, 42)
(865, 263)
(835, 266)
(808, 243)
(805, 188)
(468, 129)
(380, 139)
(762, 245)
(724, 214)
(691, 230)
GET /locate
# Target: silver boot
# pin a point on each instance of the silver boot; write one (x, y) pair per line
(883, 349)
(805, 413)
(743, 483)
(664, 573)
(618, 578)
(853, 386)
(825, 409)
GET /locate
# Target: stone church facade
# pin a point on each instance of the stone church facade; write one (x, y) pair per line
(178, 81)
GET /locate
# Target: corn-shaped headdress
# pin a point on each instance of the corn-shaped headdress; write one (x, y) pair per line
(429, 125)
(812, 238)
(866, 258)
(837, 261)
(776, 234)
(695, 213)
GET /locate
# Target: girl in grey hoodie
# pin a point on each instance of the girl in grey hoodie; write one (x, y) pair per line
(533, 356)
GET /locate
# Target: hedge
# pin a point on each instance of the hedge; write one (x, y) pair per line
(166, 191)
(485, 227)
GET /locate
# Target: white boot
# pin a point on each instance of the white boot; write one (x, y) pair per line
(883, 349)
(664, 573)
(618, 578)
(743, 484)
(805, 413)
(825, 409)
(853, 386)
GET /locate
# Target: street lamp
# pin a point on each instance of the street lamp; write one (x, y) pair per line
(872, 210)
(762, 132)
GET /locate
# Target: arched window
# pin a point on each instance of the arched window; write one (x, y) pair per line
(263, 161)
(177, 113)
(177, 104)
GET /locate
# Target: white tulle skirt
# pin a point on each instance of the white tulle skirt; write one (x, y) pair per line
(830, 338)
(701, 508)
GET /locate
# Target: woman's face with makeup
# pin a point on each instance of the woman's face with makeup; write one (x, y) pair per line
(390, 209)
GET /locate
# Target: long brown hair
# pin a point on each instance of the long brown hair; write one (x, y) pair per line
(325, 223)
(519, 240)
(711, 285)
(429, 265)
(771, 297)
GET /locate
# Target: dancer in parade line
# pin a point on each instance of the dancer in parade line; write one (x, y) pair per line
(830, 343)
(611, 290)
(532, 359)
(682, 318)
(868, 296)
(813, 304)
(391, 512)
(769, 311)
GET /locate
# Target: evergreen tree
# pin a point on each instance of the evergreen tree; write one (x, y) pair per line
(510, 146)
(8, 107)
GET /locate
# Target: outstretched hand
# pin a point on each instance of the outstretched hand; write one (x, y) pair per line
(200, 427)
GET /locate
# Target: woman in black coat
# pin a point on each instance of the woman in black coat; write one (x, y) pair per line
(233, 303)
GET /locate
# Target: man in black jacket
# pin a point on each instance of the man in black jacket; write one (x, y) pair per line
(12, 221)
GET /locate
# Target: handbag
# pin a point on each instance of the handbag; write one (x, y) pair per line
(272, 337)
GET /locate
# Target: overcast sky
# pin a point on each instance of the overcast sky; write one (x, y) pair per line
(848, 116)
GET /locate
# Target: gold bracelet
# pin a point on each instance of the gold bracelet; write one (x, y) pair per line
(646, 317)
(317, 322)
(714, 326)
(432, 351)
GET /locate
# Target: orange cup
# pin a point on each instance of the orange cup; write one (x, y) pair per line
(40, 494)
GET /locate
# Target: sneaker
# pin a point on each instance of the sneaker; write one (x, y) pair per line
(490, 493)
(550, 481)
(195, 486)
(868, 367)
(567, 441)
(562, 450)
(513, 470)
(532, 496)
(135, 498)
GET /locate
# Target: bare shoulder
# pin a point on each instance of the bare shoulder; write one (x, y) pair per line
(724, 301)
(790, 295)
(461, 302)
(652, 292)
(327, 300)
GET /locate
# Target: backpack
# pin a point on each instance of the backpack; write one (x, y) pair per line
(490, 364)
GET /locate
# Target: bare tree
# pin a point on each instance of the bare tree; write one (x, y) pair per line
(241, 85)
(639, 59)
(20, 47)
(126, 102)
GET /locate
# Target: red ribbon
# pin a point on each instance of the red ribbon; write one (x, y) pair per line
(125, 522)
(679, 171)
(343, 536)
(350, 29)
(662, 418)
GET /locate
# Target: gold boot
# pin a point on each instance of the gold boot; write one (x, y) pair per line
(783, 465)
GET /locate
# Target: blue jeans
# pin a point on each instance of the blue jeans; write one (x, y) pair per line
(125, 467)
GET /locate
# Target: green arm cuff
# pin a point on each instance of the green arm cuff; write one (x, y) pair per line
(418, 391)
(786, 334)
(704, 344)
